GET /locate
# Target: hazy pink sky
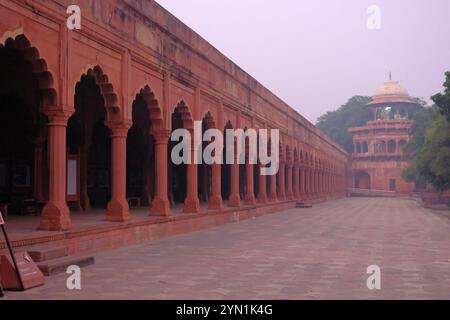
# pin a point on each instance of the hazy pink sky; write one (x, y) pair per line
(316, 54)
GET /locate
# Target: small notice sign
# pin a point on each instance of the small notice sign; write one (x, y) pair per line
(27, 270)
(1, 219)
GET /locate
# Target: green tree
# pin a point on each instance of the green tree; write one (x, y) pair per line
(443, 100)
(429, 148)
(353, 113)
(431, 156)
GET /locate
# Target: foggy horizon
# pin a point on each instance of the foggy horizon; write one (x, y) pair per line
(332, 55)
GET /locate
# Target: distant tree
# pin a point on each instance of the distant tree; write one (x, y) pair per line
(353, 113)
(443, 100)
(431, 156)
(421, 121)
(429, 148)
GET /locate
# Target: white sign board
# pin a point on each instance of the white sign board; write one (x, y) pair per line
(72, 177)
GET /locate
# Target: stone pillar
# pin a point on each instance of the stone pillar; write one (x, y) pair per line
(316, 182)
(262, 193)
(310, 183)
(118, 210)
(273, 187)
(281, 180)
(289, 193)
(250, 195)
(56, 214)
(192, 203)
(235, 199)
(319, 182)
(160, 204)
(216, 198)
(296, 177)
(303, 184)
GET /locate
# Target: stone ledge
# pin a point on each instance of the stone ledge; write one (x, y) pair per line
(112, 235)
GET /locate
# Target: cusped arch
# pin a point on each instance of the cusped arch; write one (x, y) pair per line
(185, 114)
(106, 90)
(228, 125)
(38, 67)
(154, 110)
(209, 120)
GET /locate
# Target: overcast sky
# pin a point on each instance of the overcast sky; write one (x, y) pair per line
(316, 54)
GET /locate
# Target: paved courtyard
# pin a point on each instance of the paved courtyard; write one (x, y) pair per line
(318, 253)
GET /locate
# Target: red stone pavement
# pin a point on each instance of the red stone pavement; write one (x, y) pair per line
(318, 253)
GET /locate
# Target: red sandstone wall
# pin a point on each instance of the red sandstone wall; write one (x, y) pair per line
(136, 42)
(382, 171)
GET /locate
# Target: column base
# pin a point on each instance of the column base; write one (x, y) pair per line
(55, 217)
(160, 207)
(234, 201)
(118, 211)
(250, 200)
(85, 203)
(191, 205)
(262, 199)
(273, 197)
(289, 196)
(215, 203)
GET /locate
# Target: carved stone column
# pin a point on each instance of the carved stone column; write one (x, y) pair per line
(160, 204)
(250, 195)
(262, 192)
(56, 214)
(118, 210)
(192, 203)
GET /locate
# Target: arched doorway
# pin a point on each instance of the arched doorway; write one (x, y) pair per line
(204, 170)
(89, 141)
(141, 154)
(23, 127)
(362, 180)
(177, 172)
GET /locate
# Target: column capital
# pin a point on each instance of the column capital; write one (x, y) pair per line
(58, 117)
(161, 136)
(119, 128)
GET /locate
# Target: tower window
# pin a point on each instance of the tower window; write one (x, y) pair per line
(393, 185)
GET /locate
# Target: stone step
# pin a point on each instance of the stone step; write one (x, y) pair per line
(303, 205)
(55, 266)
(41, 254)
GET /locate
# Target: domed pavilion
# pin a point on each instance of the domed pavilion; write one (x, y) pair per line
(377, 159)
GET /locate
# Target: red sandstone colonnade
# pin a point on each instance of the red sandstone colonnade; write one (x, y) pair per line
(91, 112)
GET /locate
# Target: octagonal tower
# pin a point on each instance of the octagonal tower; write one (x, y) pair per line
(377, 160)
